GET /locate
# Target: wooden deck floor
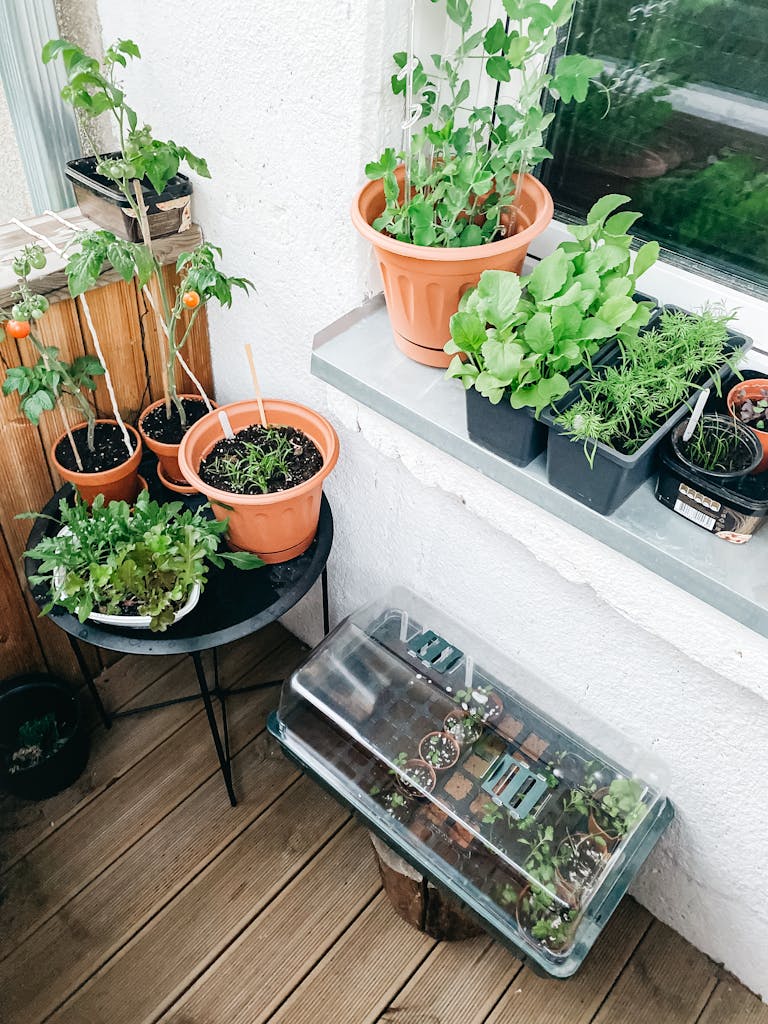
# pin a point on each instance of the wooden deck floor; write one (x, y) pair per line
(139, 896)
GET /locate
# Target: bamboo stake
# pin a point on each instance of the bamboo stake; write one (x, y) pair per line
(182, 362)
(87, 311)
(256, 387)
(147, 238)
(71, 439)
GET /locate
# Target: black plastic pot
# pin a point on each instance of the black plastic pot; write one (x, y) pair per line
(613, 476)
(516, 434)
(731, 510)
(29, 697)
(99, 199)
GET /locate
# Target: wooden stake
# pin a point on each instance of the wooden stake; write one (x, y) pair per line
(256, 388)
(70, 435)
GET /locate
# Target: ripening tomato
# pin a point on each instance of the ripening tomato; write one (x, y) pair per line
(18, 328)
(191, 300)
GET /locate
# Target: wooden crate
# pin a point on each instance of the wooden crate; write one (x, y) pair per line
(128, 334)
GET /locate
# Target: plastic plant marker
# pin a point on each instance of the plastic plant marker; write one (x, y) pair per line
(226, 426)
(697, 413)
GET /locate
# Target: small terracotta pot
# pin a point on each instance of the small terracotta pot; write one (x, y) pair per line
(118, 484)
(171, 485)
(423, 284)
(279, 526)
(469, 727)
(752, 389)
(167, 454)
(412, 791)
(454, 744)
(524, 926)
(565, 888)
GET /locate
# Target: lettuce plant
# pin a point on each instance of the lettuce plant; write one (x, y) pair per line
(464, 160)
(521, 336)
(123, 560)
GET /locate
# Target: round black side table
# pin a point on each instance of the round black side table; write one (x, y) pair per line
(234, 604)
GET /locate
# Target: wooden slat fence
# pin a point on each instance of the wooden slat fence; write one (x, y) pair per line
(127, 332)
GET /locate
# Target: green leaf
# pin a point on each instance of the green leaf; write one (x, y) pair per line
(572, 75)
(460, 12)
(549, 276)
(498, 296)
(538, 333)
(645, 258)
(468, 331)
(502, 360)
(128, 47)
(243, 559)
(620, 223)
(605, 206)
(145, 264)
(518, 51)
(121, 259)
(617, 310)
(498, 68)
(495, 38)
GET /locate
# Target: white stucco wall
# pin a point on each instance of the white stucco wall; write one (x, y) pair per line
(287, 101)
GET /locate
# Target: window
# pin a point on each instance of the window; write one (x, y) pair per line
(679, 122)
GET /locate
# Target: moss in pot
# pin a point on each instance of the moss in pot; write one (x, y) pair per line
(143, 562)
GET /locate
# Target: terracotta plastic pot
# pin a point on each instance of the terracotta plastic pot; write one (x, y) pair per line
(423, 284)
(279, 526)
(167, 454)
(752, 389)
(118, 484)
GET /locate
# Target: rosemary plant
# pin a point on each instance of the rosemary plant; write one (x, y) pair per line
(627, 403)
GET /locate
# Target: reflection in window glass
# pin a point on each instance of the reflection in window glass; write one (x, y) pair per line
(678, 121)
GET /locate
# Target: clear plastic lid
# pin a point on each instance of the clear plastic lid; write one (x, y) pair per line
(526, 805)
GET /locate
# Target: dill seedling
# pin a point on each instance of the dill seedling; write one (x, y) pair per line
(717, 445)
(658, 372)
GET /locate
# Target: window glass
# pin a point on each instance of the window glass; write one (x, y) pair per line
(678, 121)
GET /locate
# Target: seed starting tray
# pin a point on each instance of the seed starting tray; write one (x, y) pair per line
(453, 755)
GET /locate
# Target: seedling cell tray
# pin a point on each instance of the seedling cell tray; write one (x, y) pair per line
(613, 476)
(100, 200)
(540, 823)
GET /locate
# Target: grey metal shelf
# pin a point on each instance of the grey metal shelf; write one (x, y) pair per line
(357, 355)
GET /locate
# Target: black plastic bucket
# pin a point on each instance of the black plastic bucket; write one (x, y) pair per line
(31, 697)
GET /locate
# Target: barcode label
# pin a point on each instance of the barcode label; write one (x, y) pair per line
(708, 522)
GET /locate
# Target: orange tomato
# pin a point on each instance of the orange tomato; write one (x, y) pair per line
(18, 328)
(191, 300)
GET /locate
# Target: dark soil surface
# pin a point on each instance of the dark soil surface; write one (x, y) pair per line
(303, 461)
(109, 449)
(170, 431)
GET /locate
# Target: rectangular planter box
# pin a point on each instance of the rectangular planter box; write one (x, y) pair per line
(360, 714)
(515, 434)
(614, 475)
(102, 202)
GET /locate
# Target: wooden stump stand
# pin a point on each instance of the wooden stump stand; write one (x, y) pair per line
(423, 905)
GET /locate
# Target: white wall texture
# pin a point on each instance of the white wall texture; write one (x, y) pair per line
(287, 101)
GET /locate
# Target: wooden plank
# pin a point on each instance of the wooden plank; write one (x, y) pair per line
(458, 982)
(52, 281)
(45, 880)
(20, 649)
(174, 949)
(731, 1003)
(153, 350)
(60, 327)
(355, 981)
(115, 316)
(101, 919)
(666, 980)
(283, 942)
(532, 999)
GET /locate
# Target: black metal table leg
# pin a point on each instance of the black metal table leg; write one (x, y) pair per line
(224, 762)
(106, 718)
(326, 611)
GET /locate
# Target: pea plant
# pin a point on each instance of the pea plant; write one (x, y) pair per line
(93, 88)
(520, 336)
(464, 164)
(51, 382)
